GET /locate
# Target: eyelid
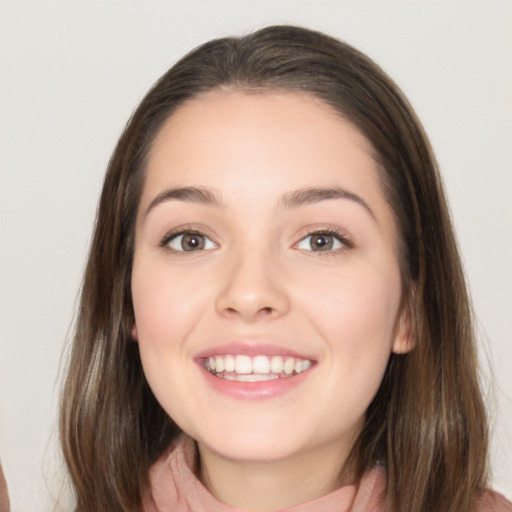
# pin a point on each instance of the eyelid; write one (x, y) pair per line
(342, 236)
(184, 230)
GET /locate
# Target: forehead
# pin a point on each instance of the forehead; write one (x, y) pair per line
(251, 152)
(290, 134)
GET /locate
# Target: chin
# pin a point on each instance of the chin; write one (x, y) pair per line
(257, 444)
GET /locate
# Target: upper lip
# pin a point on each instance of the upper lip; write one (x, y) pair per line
(250, 349)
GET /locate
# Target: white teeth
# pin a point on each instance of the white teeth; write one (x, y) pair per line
(276, 364)
(261, 364)
(252, 369)
(243, 364)
(289, 365)
(256, 377)
(252, 377)
(306, 363)
(229, 363)
(226, 376)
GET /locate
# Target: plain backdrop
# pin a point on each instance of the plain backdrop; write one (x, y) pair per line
(71, 74)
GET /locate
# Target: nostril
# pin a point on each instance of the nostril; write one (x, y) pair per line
(266, 310)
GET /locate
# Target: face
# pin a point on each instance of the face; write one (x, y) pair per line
(266, 283)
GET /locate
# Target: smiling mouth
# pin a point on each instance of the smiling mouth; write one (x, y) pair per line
(244, 368)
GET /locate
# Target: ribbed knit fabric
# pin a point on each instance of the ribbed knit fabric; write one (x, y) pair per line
(174, 487)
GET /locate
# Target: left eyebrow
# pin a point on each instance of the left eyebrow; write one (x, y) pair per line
(197, 195)
(305, 196)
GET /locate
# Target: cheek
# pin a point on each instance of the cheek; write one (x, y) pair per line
(164, 305)
(355, 315)
(363, 303)
(164, 314)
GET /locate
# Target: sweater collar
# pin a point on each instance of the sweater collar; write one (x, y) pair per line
(175, 486)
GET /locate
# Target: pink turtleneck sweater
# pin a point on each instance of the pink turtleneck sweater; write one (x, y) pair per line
(174, 487)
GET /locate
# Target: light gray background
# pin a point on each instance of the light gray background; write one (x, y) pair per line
(71, 74)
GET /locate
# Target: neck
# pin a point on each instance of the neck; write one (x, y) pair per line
(267, 486)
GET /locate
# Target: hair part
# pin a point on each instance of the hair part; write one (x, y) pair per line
(426, 424)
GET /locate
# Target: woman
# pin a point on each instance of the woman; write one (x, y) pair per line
(274, 296)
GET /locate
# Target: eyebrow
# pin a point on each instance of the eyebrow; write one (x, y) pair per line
(294, 199)
(313, 195)
(187, 194)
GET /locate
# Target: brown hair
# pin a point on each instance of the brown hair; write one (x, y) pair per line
(426, 424)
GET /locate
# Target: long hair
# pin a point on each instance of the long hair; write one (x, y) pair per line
(427, 423)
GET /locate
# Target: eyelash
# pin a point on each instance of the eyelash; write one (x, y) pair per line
(341, 236)
(183, 230)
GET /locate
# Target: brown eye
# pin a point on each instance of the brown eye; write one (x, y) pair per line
(321, 242)
(190, 242)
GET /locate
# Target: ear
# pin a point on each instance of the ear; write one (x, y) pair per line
(405, 337)
(135, 335)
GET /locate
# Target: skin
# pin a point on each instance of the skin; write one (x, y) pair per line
(259, 279)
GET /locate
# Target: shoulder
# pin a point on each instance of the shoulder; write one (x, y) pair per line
(492, 501)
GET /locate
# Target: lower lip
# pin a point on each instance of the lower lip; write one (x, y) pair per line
(254, 390)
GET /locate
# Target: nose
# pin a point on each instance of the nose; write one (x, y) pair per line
(252, 289)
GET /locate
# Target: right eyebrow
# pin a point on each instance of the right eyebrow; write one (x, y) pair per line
(187, 194)
(313, 195)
